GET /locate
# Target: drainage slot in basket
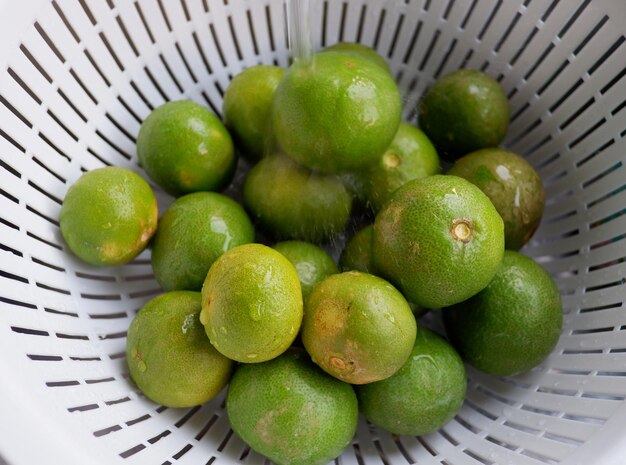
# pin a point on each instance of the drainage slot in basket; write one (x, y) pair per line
(19, 116)
(477, 457)
(52, 288)
(15, 252)
(60, 312)
(205, 429)
(24, 86)
(132, 451)
(44, 358)
(83, 408)
(6, 274)
(187, 416)
(17, 303)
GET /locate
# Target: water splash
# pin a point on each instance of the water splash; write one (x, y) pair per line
(299, 30)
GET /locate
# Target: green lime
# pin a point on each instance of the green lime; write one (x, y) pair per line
(290, 202)
(513, 324)
(312, 263)
(290, 411)
(169, 356)
(357, 327)
(194, 231)
(252, 303)
(512, 185)
(464, 111)
(247, 109)
(185, 148)
(108, 216)
(423, 395)
(338, 114)
(410, 156)
(439, 239)
(357, 255)
(360, 50)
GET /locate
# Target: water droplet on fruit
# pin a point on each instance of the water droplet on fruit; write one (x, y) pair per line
(141, 365)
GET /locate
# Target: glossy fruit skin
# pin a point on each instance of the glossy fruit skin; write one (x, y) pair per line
(290, 202)
(360, 50)
(251, 303)
(512, 185)
(312, 263)
(247, 109)
(169, 356)
(358, 253)
(417, 244)
(108, 216)
(410, 156)
(358, 327)
(290, 411)
(185, 148)
(513, 324)
(464, 111)
(423, 395)
(193, 232)
(338, 114)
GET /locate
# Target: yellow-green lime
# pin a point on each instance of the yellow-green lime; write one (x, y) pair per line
(169, 356)
(336, 114)
(439, 239)
(312, 263)
(464, 111)
(423, 395)
(513, 324)
(360, 50)
(410, 156)
(358, 327)
(288, 201)
(512, 185)
(247, 109)
(251, 303)
(290, 411)
(185, 148)
(193, 232)
(108, 216)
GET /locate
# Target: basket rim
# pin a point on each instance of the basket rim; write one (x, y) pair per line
(19, 444)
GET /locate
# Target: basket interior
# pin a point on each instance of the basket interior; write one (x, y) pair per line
(83, 76)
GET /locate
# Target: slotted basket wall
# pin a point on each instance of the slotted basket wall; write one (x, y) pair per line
(77, 77)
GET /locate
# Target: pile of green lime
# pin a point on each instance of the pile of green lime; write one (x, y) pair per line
(326, 134)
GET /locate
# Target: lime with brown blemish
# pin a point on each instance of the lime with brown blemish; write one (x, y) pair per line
(169, 356)
(247, 109)
(336, 114)
(423, 395)
(312, 263)
(360, 50)
(193, 232)
(358, 327)
(290, 411)
(410, 156)
(288, 201)
(185, 148)
(252, 303)
(513, 324)
(512, 185)
(464, 111)
(439, 239)
(108, 216)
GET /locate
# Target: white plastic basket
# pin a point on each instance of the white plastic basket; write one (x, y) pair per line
(78, 76)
